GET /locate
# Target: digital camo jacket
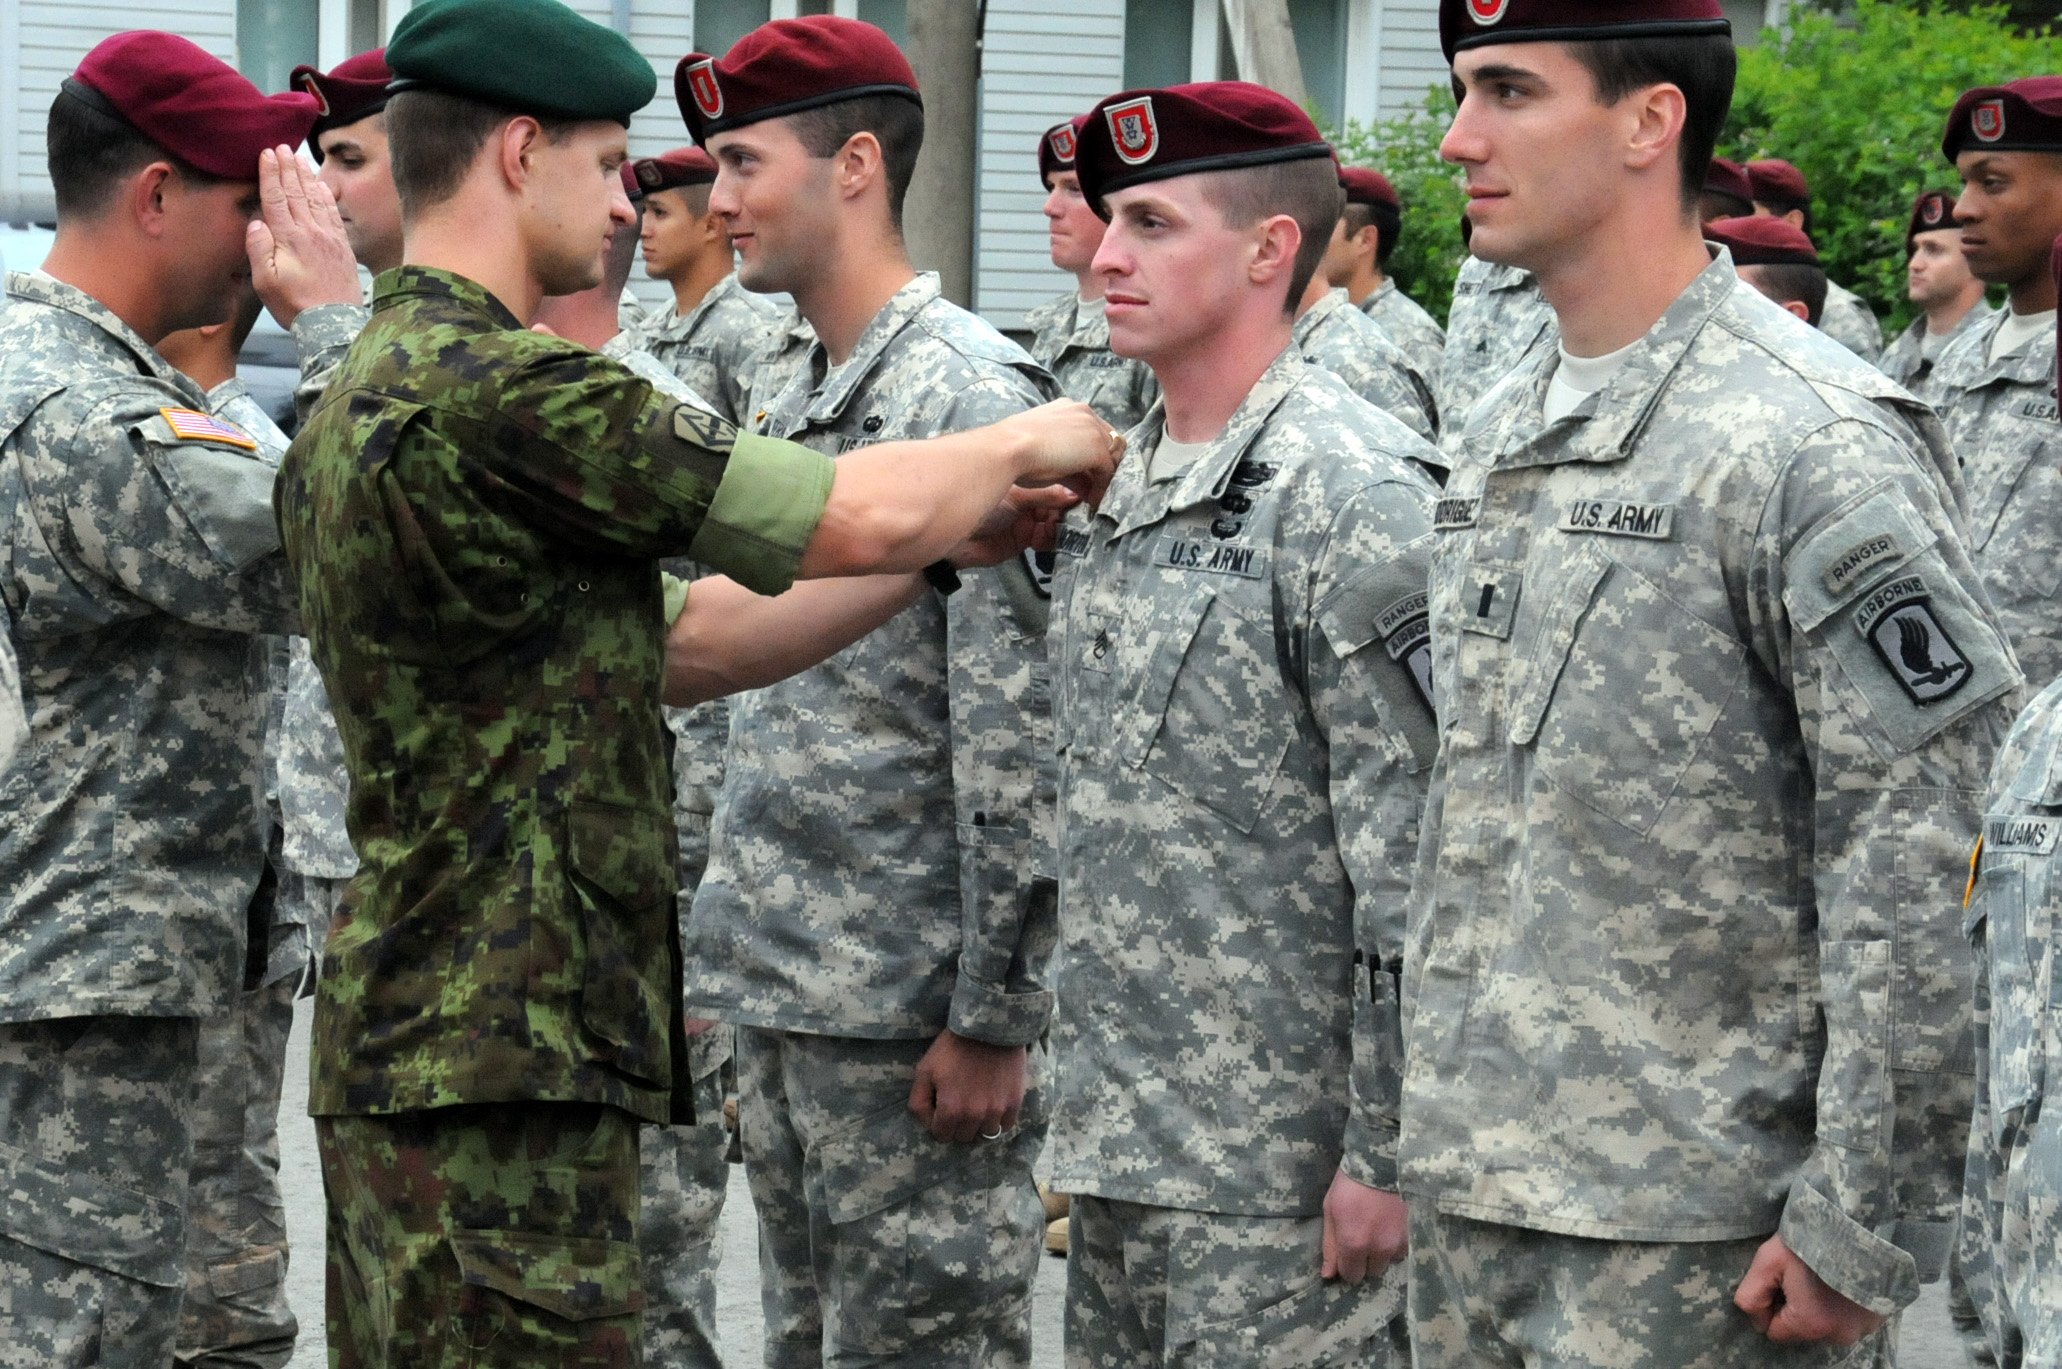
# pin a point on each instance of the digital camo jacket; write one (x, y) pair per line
(1335, 335)
(1717, 691)
(474, 512)
(1073, 343)
(2002, 419)
(874, 865)
(715, 346)
(1905, 360)
(1497, 317)
(138, 557)
(2012, 1189)
(1848, 320)
(1244, 729)
(1416, 333)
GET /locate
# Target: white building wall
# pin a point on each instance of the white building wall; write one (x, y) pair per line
(1407, 54)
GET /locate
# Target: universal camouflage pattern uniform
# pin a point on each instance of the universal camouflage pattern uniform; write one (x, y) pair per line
(136, 564)
(1416, 333)
(2001, 416)
(873, 881)
(1333, 334)
(1661, 1000)
(1906, 362)
(2012, 1194)
(14, 720)
(475, 510)
(1072, 341)
(1496, 319)
(715, 346)
(1848, 320)
(1244, 737)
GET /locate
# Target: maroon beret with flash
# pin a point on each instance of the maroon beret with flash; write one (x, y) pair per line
(1931, 212)
(671, 170)
(189, 102)
(1058, 146)
(2025, 116)
(1478, 23)
(356, 89)
(1777, 181)
(785, 67)
(1763, 241)
(1727, 177)
(1152, 135)
(1368, 187)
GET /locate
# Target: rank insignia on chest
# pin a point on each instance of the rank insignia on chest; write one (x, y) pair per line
(1899, 622)
(190, 425)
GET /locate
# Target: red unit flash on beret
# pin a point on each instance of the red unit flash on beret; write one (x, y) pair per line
(1062, 140)
(1987, 120)
(1935, 211)
(708, 96)
(1133, 130)
(307, 83)
(1487, 12)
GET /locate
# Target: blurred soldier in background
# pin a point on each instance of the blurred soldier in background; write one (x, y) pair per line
(1357, 261)
(1779, 190)
(1949, 296)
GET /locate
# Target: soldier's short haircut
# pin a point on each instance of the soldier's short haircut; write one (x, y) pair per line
(434, 138)
(694, 197)
(1386, 219)
(1782, 207)
(1702, 67)
(897, 123)
(1307, 190)
(90, 152)
(1785, 281)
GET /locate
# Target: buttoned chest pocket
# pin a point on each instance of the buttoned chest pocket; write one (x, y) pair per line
(2014, 906)
(2021, 546)
(1621, 688)
(1203, 714)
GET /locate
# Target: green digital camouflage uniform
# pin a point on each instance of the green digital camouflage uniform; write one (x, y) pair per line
(1848, 320)
(1416, 333)
(714, 346)
(138, 557)
(2001, 416)
(1717, 690)
(1071, 339)
(873, 879)
(1244, 736)
(1907, 361)
(1335, 335)
(2012, 1188)
(475, 511)
(1497, 317)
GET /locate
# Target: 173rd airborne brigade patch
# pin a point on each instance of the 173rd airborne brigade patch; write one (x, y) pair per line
(1898, 621)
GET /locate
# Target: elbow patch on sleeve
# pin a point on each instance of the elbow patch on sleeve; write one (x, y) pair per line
(693, 440)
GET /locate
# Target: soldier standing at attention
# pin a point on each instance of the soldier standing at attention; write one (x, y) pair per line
(1997, 382)
(1717, 689)
(1950, 298)
(1070, 336)
(714, 333)
(1495, 321)
(1357, 261)
(474, 511)
(1244, 730)
(1780, 191)
(1777, 260)
(1331, 333)
(137, 559)
(873, 918)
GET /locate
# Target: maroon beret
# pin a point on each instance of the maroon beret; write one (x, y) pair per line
(1368, 187)
(2025, 116)
(787, 66)
(671, 170)
(1477, 23)
(1057, 147)
(1776, 181)
(189, 102)
(1932, 212)
(627, 171)
(1151, 135)
(1763, 241)
(1728, 177)
(356, 89)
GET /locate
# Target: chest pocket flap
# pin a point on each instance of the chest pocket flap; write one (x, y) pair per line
(1533, 686)
(1388, 604)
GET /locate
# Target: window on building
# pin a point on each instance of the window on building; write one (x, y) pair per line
(890, 16)
(1747, 16)
(720, 23)
(1320, 28)
(1156, 42)
(365, 25)
(273, 37)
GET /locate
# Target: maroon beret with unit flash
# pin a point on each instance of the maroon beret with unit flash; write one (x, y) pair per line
(1367, 187)
(1478, 23)
(356, 89)
(2025, 116)
(189, 102)
(671, 170)
(787, 66)
(1932, 212)
(1058, 146)
(1727, 177)
(1776, 181)
(1152, 135)
(1763, 241)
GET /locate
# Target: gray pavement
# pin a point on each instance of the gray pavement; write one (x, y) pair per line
(1927, 1341)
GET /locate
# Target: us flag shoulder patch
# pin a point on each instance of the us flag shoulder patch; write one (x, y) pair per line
(191, 425)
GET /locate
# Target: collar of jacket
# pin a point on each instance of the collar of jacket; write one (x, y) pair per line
(1314, 318)
(405, 283)
(1063, 321)
(37, 288)
(843, 381)
(1966, 364)
(677, 327)
(1134, 501)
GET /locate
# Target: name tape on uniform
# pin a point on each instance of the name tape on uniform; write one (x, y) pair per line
(1072, 542)
(1619, 518)
(2019, 834)
(1213, 558)
(1451, 514)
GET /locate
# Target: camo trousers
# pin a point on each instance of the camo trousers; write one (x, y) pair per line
(685, 1175)
(95, 1117)
(492, 1234)
(878, 1244)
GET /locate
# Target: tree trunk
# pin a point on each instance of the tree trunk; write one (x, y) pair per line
(938, 220)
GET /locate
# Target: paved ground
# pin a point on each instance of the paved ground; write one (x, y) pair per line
(1927, 1342)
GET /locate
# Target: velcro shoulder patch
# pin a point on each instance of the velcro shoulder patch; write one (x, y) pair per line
(191, 425)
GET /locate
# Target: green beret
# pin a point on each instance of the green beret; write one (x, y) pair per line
(534, 56)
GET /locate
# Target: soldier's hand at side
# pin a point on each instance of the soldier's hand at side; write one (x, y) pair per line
(1065, 442)
(300, 257)
(1793, 1306)
(1026, 520)
(969, 1091)
(1366, 1230)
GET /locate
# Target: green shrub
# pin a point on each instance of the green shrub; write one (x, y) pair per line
(1406, 150)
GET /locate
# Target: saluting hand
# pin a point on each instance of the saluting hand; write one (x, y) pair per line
(300, 256)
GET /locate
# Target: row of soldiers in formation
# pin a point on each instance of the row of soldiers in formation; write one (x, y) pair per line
(1618, 1011)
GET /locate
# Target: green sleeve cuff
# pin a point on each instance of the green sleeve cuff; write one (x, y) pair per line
(675, 590)
(765, 511)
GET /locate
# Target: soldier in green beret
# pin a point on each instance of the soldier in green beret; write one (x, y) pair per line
(474, 512)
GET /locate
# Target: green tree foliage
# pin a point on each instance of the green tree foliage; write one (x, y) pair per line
(1858, 100)
(1406, 150)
